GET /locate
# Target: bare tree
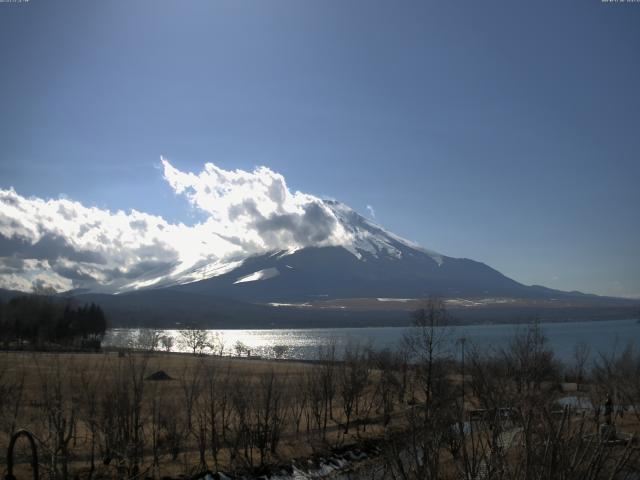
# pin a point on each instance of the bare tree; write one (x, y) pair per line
(12, 382)
(418, 453)
(279, 351)
(240, 348)
(297, 395)
(167, 341)
(429, 342)
(327, 379)
(216, 343)
(617, 376)
(148, 339)
(157, 405)
(121, 415)
(172, 426)
(530, 359)
(387, 385)
(269, 414)
(578, 367)
(59, 416)
(196, 340)
(190, 383)
(213, 409)
(353, 377)
(90, 383)
(315, 400)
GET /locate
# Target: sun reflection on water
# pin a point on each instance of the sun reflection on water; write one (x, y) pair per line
(601, 335)
(293, 344)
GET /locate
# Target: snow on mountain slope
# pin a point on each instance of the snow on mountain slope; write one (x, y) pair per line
(367, 262)
(265, 274)
(370, 263)
(391, 271)
(257, 239)
(364, 239)
(368, 237)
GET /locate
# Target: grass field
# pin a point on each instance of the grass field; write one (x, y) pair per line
(100, 415)
(85, 407)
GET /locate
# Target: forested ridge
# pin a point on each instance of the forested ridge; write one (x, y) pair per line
(41, 321)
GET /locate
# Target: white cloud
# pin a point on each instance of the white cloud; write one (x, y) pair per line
(372, 212)
(83, 246)
(26, 274)
(64, 244)
(256, 210)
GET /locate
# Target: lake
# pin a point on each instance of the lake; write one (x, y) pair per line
(604, 336)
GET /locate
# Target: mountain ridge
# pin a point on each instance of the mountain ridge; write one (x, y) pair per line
(371, 262)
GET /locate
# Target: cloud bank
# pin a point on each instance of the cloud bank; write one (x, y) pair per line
(256, 211)
(64, 244)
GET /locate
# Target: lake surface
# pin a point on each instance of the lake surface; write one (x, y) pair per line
(604, 336)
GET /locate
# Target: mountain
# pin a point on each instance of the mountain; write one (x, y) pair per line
(374, 263)
(334, 272)
(372, 278)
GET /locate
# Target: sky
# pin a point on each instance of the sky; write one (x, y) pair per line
(506, 132)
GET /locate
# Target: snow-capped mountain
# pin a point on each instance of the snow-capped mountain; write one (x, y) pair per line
(372, 277)
(373, 263)
(369, 238)
(363, 239)
(261, 255)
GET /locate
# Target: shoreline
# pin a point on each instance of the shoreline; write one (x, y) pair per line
(377, 326)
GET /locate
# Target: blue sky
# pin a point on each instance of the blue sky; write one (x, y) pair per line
(506, 132)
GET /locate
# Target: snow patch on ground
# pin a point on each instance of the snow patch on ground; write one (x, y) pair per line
(265, 274)
(208, 271)
(465, 302)
(395, 299)
(274, 304)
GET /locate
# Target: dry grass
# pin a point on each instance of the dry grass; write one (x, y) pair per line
(84, 375)
(90, 390)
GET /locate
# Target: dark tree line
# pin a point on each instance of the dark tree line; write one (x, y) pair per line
(38, 321)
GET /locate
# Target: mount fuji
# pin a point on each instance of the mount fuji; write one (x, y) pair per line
(374, 263)
(370, 277)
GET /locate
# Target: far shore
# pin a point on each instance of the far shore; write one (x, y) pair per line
(406, 324)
